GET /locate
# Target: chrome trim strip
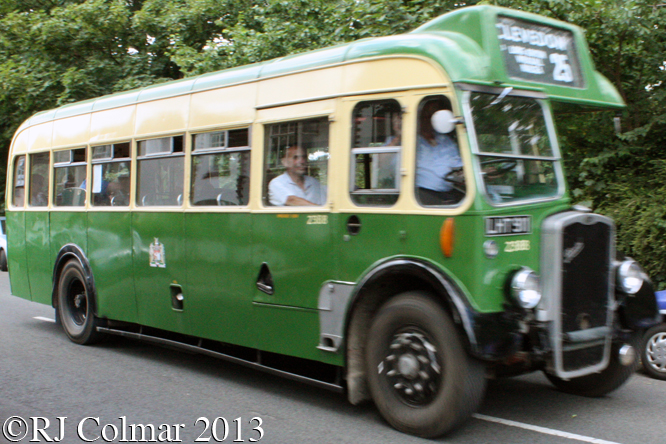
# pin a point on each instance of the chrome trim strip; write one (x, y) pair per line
(548, 310)
(225, 357)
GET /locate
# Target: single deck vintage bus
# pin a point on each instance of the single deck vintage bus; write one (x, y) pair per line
(388, 218)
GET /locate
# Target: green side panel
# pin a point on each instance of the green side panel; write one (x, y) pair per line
(381, 236)
(17, 261)
(291, 331)
(299, 256)
(464, 267)
(298, 253)
(66, 228)
(39, 256)
(154, 284)
(110, 256)
(220, 279)
(482, 279)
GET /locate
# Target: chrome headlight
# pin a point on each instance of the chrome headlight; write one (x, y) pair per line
(630, 276)
(525, 288)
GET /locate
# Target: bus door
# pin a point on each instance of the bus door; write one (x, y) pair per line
(219, 239)
(371, 228)
(160, 265)
(110, 233)
(292, 256)
(37, 229)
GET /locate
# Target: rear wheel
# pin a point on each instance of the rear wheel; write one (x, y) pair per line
(653, 352)
(3, 260)
(420, 376)
(609, 379)
(75, 307)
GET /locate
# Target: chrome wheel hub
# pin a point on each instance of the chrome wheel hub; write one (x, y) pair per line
(412, 368)
(655, 351)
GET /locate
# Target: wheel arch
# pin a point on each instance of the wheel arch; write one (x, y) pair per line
(67, 253)
(381, 283)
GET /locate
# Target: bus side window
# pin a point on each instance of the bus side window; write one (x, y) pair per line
(376, 147)
(39, 183)
(111, 175)
(160, 173)
(296, 163)
(221, 168)
(70, 178)
(439, 179)
(18, 196)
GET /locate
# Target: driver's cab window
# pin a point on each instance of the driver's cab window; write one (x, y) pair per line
(439, 178)
(376, 147)
(296, 163)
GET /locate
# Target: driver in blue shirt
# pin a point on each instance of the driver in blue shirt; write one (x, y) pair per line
(436, 156)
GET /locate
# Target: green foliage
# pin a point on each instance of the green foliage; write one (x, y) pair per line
(54, 52)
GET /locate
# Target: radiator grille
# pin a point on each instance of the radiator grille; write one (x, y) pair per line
(577, 252)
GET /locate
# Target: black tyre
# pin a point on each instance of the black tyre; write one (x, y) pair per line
(609, 379)
(76, 307)
(3, 260)
(653, 352)
(420, 376)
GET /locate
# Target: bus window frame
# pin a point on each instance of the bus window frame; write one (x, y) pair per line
(108, 160)
(455, 137)
(15, 168)
(138, 205)
(54, 166)
(556, 158)
(226, 149)
(263, 200)
(383, 149)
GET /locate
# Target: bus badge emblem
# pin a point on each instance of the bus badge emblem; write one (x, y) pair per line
(157, 256)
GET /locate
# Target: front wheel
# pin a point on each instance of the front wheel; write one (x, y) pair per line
(420, 376)
(75, 306)
(3, 260)
(653, 352)
(604, 382)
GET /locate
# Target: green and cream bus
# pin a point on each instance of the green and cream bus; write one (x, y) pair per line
(442, 246)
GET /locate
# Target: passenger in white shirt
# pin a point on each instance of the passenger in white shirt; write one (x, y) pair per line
(293, 187)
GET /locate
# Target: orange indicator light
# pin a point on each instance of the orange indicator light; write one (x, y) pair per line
(446, 237)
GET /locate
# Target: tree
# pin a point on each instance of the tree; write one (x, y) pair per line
(54, 52)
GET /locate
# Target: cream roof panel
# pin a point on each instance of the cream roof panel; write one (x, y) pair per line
(74, 109)
(296, 111)
(40, 136)
(302, 86)
(116, 100)
(41, 117)
(162, 116)
(382, 74)
(176, 87)
(21, 142)
(71, 131)
(223, 106)
(112, 124)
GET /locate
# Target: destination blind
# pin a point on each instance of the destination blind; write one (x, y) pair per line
(538, 53)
